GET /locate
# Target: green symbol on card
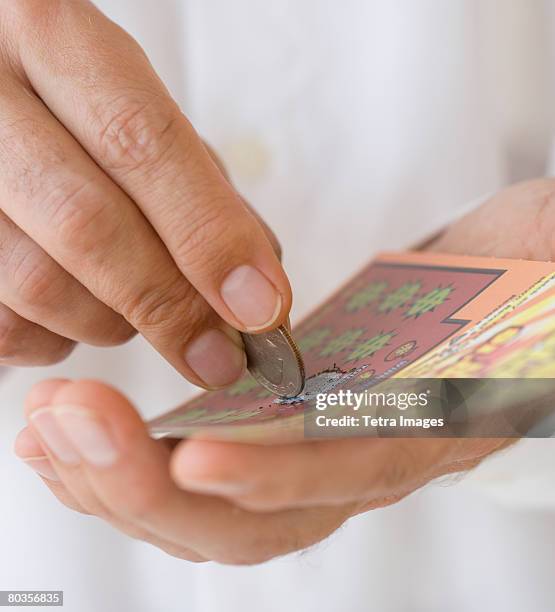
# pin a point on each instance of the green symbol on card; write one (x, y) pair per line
(366, 296)
(428, 302)
(342, 342)
(369, 347)
(313, 339)
(400, 297)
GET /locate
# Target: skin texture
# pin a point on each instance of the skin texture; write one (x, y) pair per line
(114, 216)
(244, 504)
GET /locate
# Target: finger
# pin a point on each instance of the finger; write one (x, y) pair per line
(28, 448)
(269, 233)
(23, 343)
(89, 226)
(40, 290)
(307, 474)
(67, 481)
(129, 474)
(127, 121)
(44, 468)
(66, 463)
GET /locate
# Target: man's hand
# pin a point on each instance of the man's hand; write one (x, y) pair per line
(240, 503)
(113, 215)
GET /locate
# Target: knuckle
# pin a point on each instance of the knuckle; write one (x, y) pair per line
(137, 133)
(209, 236)
(34, 278)
(158, 308)
(81, 218)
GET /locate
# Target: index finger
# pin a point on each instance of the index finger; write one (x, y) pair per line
(124, 117)
(128, 473)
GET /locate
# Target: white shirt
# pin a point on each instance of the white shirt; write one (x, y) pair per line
(352, 127)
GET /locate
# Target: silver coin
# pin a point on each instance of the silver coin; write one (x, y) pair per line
(275, 361)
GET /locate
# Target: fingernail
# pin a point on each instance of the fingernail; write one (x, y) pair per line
(53, 437)
(43, 467)
(87, 434)
(215, 358)
(213, 487)
(251, 297)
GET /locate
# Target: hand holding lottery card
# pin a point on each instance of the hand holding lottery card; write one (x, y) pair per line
(406, 315)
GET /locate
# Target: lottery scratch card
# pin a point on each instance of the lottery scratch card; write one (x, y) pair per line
(419, 315)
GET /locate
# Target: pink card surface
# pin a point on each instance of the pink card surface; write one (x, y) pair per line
(404, 315)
